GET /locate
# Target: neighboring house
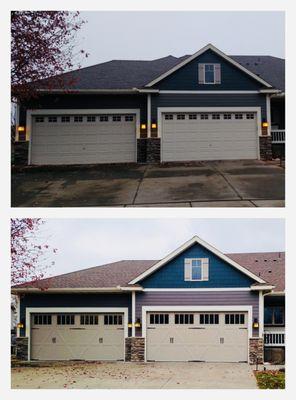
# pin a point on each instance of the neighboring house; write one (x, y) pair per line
(196, 304)
(207, 106)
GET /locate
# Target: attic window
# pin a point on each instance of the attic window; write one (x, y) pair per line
(209, 74)
(196, 269)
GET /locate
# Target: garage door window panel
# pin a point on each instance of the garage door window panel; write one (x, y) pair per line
(215, 116)
(204, 116)
(234, 319)
(238, 116)
(42, 319)
(159, 319)
(52, 119)
(184, 319)
(112, 319)
(116, 118)
(65, 118)
(89, 319)
(66, 319)
(91, 118)
(78, 118)
(209, 319)
(39, 119)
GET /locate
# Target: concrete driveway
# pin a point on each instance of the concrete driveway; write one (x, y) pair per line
(104, 375)
(202, 184)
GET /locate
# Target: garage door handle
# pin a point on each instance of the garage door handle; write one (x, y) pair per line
(242, 328)
(120, 329)
(150, 328)
(196, 328)
(78, 329)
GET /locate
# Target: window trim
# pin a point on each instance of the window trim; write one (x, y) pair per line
(201, 268)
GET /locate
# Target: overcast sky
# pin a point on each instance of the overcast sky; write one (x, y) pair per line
(150, 35)
(83, 243)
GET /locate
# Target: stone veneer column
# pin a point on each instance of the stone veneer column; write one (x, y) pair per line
(256, 351)
(265, 147)
(135, 349)
(22, 348)
(153, 150)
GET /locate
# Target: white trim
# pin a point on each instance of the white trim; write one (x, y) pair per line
(133, 314)
(268, 114)
(183, 247)
(198, 53)
(148, 115)
(271, 91)
(234, 308)
(61, 290)
(258, 287)
(261, 314)
(31, 113)
(18, 314)
(275, 294)
(87, 91)
(209, 91)
(32, 310)
(235, 289)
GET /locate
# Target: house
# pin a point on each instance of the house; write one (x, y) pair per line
(195, 304)
(205, 106)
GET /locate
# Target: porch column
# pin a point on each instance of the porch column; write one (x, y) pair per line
(268, 114)
(133, 313)
(261, 314)
(148, 115)
(18, 316)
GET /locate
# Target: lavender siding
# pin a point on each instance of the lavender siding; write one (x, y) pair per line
(227, 298)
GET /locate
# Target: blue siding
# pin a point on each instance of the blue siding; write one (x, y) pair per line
(73, 300)
(211, 100)
(221, 274)
(186, 78)
(231, 298)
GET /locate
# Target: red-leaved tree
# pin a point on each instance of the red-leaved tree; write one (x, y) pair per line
(29, 253)
(43, 45)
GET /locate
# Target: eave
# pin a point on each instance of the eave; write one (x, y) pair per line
(117, 289)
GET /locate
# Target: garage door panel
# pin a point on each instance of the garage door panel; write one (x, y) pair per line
(77, 341)
(210, 139)
(77, 143)
(215, 342)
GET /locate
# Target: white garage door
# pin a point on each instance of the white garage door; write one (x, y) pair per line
(77, 337)
(83, 139)
(209, 136)
(212, 337)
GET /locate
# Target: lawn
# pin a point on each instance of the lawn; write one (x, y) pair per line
(270, 379)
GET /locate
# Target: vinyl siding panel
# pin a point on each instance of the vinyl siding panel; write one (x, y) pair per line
(221, 274)
(204, 298)
(186, 78)
(73, 300)
(203, 100)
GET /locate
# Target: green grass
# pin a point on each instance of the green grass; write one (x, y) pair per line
(270, 379)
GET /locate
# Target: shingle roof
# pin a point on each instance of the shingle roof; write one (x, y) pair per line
(129, 74)
(269, 266)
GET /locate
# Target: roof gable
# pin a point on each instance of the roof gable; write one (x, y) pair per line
(183, 248)
(219, 53)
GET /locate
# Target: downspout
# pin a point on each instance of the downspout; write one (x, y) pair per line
(148, 115)
(133, 313)
(268, 114)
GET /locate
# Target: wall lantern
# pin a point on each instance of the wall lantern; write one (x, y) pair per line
(143, 126)
(255, 323)
(153, 125)
(138, 323)
(21, 129)
(129, 325)
(20, 325)
(265, 124)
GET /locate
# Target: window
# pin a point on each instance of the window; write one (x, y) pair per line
(209, 73)
(52, 119)
(39, 119)
(65, 118)
(274, 315)
(250, 116)
(192, 116)
(112, 319)
(42, 319)
(227, 116)
(183, 319)
(209, 319)
(91, 118)
(180, 116)
(78, 118)
(234, 319)
(168, 116)
(159, 319)
(204, 116)
(238, 116)
(196, 269)
(129, 118)
(104, 118)
(116, 118)
(89, 319)
(66, 319)
(215, 116)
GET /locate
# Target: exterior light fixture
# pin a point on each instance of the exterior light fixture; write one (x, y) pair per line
(20, 325)
(265, 124)
(154, 125)
(130, 325)
(143, 126)
(138, 323)
(21, 129)
(255, 323)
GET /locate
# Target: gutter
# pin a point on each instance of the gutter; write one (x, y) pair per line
(117, 289)
(262, 287)
(98, 91)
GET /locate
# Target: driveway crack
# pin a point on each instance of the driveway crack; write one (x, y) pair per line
(227, 181)
(139, 184)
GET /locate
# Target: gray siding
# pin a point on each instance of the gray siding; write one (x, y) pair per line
(204, 100)
(227, 298)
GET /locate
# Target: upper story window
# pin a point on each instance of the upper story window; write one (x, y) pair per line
(209, 74)
(274, 315)
(196, 269)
